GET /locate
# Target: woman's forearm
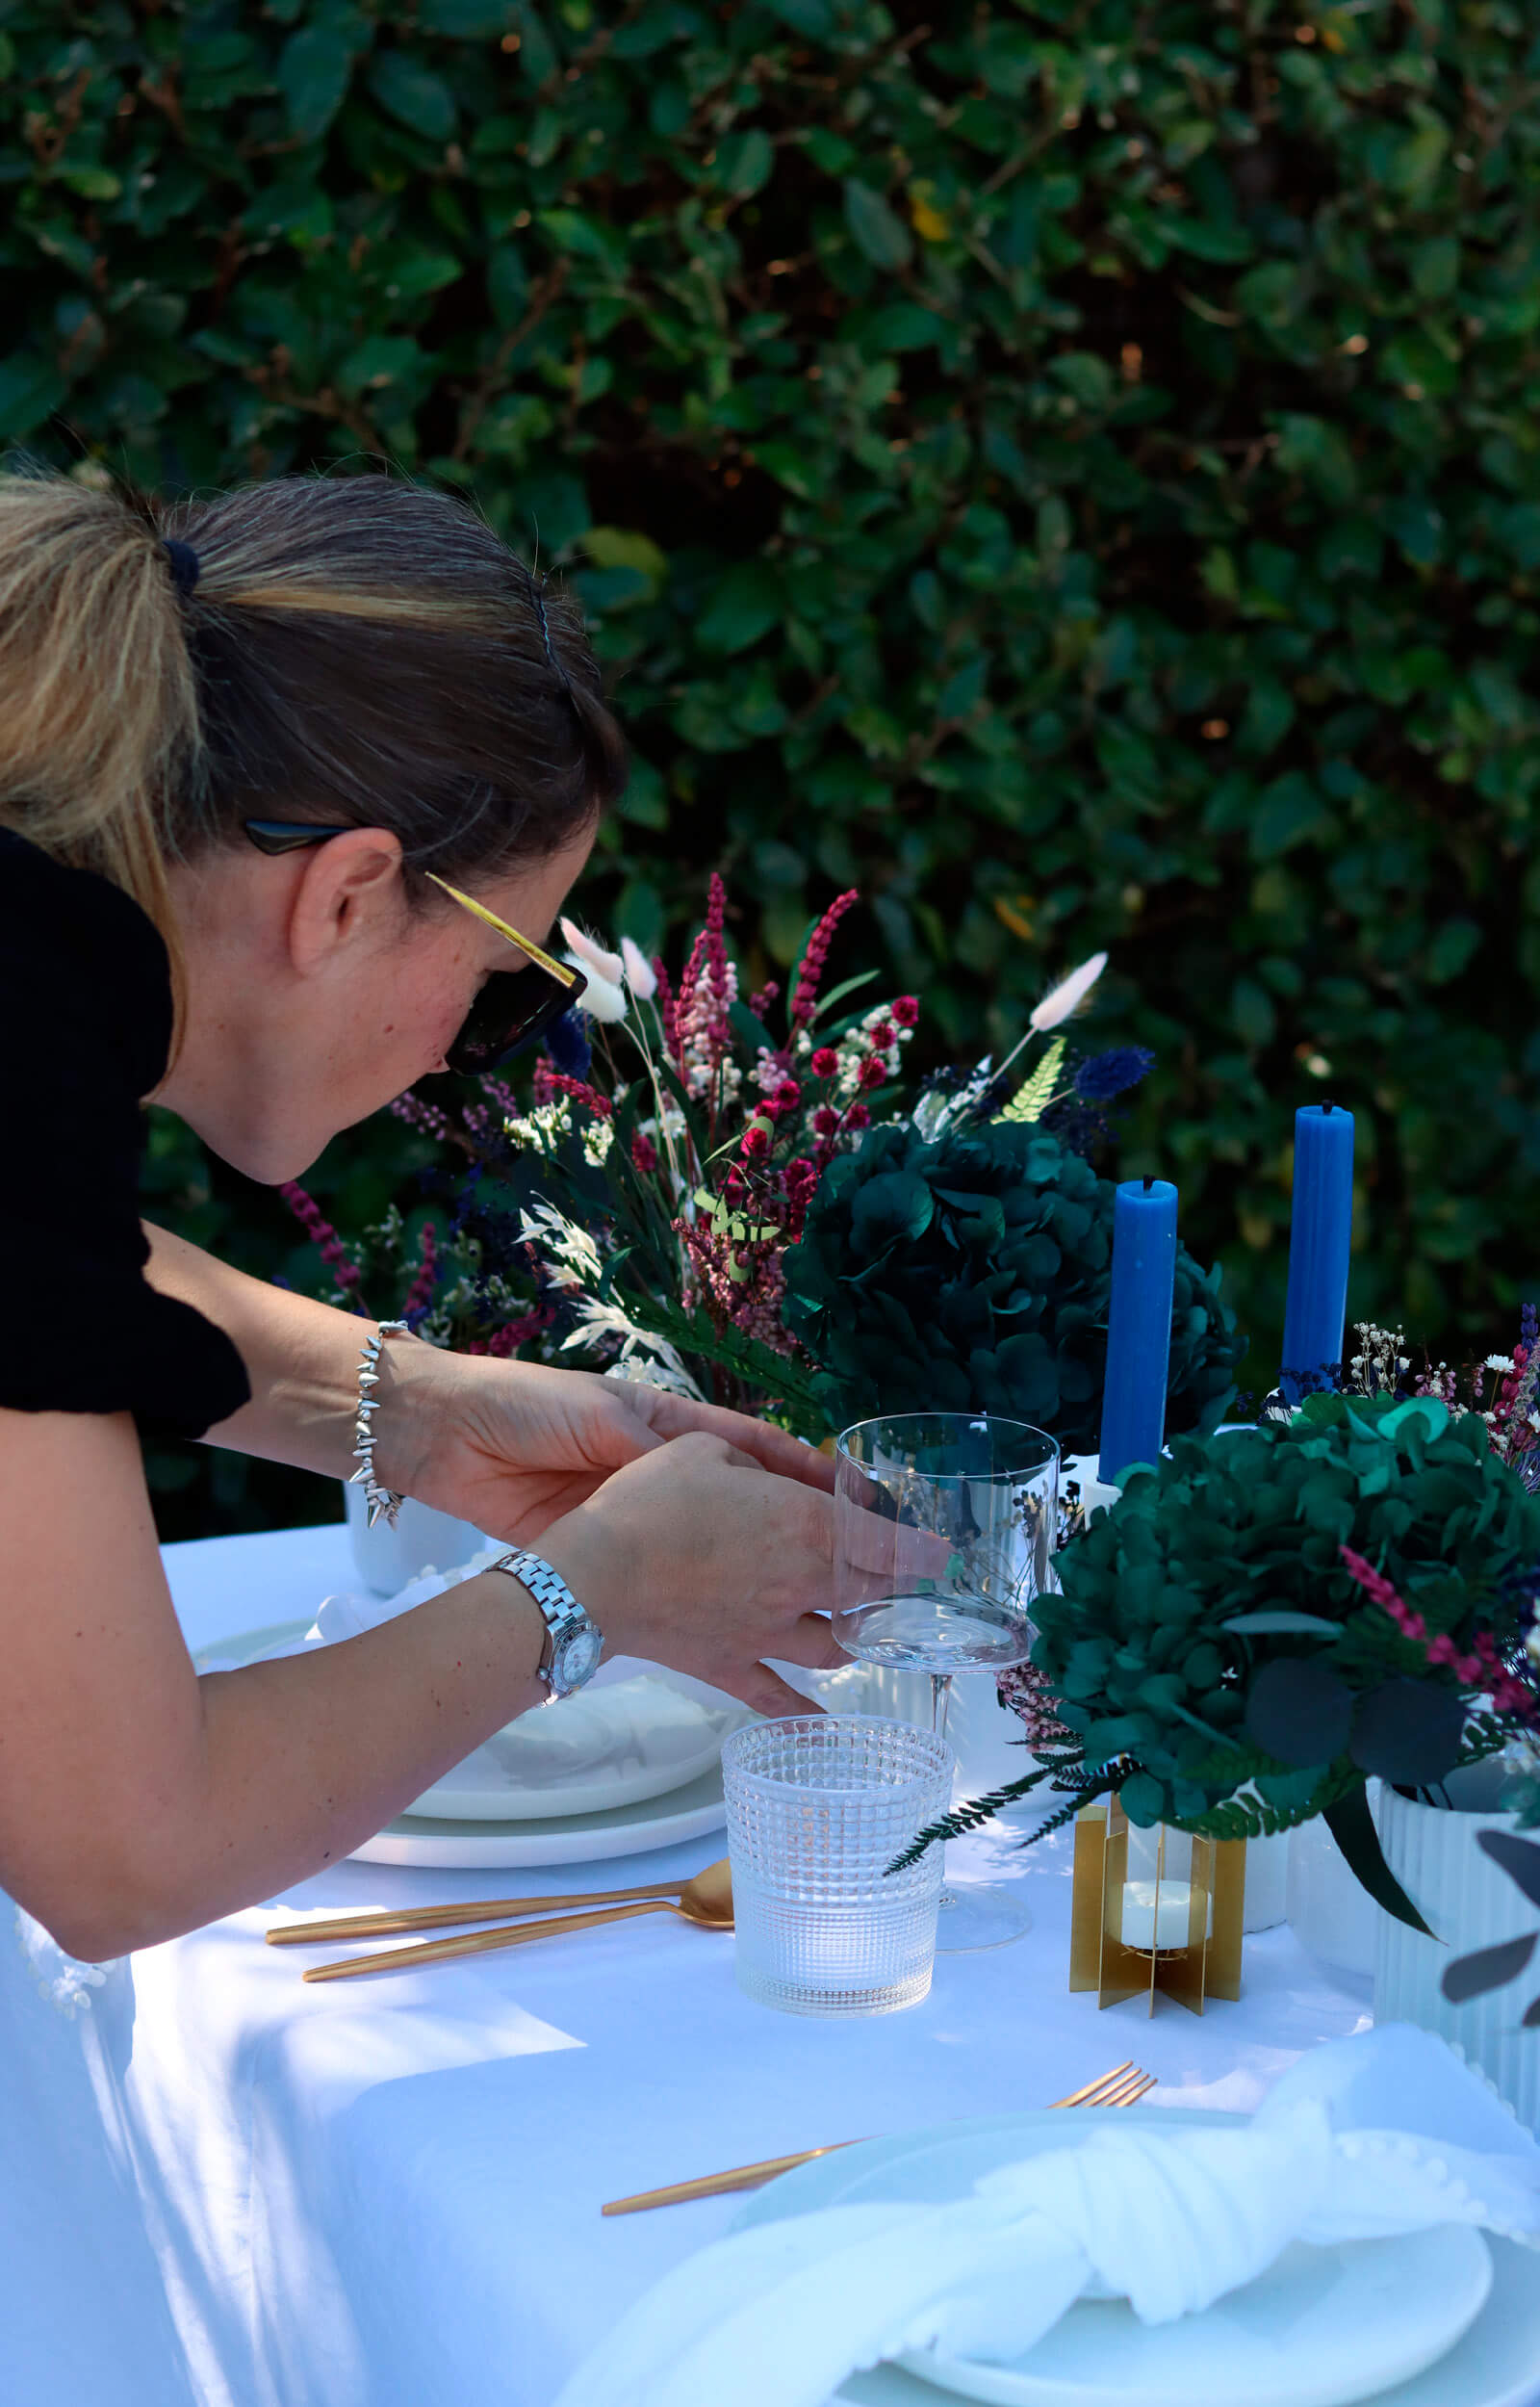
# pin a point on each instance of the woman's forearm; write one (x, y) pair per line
(138, 1800)
(301, 1358)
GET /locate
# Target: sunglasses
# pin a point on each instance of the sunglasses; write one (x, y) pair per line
(503, 1020)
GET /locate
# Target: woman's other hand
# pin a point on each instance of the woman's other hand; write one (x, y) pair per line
(696, 1556)
(512, 1447)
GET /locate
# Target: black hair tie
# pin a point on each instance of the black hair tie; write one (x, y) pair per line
(537, 595)
(186, 566)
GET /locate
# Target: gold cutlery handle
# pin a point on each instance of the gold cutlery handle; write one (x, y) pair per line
(386, 1926)
(718, 2185)
(1123, 2085)
(479, 1942)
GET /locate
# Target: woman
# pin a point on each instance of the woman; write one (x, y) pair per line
(257, 757)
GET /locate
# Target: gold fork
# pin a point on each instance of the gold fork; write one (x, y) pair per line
(1119, 2088)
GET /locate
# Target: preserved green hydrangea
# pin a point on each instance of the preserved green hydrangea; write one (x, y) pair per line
(1209, 1631)
(972, 1273)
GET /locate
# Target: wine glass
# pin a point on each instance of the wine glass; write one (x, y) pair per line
(944, 1527)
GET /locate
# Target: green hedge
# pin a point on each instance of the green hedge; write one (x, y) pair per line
(1073, 470)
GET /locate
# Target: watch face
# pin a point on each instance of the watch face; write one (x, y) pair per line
(578, 1659)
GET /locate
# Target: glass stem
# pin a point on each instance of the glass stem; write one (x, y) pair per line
(941, 1700)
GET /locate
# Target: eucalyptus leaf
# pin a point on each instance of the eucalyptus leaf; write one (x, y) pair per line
(1486, 1967)
(1520, 1859)
(1299, 1710)
(1408, 1731)
(1353, 1826)
(1280, 1623)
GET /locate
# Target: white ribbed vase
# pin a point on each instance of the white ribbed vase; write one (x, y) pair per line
(1470, 1903)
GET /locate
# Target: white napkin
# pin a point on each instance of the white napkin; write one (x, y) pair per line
(1368, 2136)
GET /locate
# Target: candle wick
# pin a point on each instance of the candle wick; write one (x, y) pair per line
(1149, 1181)
(1327, 1107)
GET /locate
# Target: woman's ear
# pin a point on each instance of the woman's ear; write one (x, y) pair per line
(348, 893)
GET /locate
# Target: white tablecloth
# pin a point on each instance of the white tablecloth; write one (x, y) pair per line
(387, 2194)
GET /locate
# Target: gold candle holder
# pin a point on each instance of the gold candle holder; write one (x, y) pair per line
(1162, 1927)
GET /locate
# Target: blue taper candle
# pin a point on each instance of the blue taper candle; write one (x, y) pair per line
(1320, 1243)
(1139, 1324)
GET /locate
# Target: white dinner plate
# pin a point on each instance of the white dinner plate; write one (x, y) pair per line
(687, 1813)
(608, 1746)
(1322, 2327)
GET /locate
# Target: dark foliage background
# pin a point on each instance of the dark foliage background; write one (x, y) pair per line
(1073, 470)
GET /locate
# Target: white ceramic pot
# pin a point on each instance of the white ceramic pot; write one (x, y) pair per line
(385, 1559)
(1469, 1903)
(1266, 1882)
(1329, 1910)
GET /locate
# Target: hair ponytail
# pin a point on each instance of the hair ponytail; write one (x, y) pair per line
(355, 650)
(98, 701)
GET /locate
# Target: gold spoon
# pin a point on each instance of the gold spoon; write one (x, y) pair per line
(489, 1909)
(705, 1901)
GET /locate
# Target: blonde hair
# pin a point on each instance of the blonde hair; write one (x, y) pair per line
(98, 704)
(355, 650)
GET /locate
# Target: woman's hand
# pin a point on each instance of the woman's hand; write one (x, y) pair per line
(512, 1447)
(696, 1556)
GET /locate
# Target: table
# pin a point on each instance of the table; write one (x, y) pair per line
(387, 2194)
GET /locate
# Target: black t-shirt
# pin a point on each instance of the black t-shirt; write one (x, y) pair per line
(84, 1032)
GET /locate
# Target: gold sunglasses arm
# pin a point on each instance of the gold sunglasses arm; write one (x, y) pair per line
(556, 970)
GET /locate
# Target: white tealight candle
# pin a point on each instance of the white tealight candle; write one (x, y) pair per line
(1148, 1929)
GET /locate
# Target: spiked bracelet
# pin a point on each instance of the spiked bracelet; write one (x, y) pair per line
(377, 1499)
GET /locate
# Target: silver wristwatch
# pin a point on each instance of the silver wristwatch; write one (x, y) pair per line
(574, 1642)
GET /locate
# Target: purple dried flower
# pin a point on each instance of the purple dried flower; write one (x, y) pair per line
(568, 1048)
(1106, 1074)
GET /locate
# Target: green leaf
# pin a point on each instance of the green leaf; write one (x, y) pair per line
(746, 604)
(1279, 1623)
(31, 388)
(1033, 1097)
(1487, 1968)
(745, 162)
(1299, 1710)
(413, 96)
(813, 17)
(314, 71)
(883, 237)
(1520, 1859)
(1353, 1826)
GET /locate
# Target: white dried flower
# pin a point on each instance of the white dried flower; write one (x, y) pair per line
(640, 976)
(603, 1000)
(1067, 997)
(592, 955)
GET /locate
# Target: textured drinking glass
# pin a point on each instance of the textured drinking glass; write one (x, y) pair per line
(944, 1529)
(818, 1807)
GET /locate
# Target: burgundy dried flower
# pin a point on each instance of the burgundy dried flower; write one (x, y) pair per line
(907, 1011)
(549, 1083)
(810, 977)
(420, 1295)
(825, 1121)
(824, 1062)
(858, 1117)
(644, 1152)
(325, 1238)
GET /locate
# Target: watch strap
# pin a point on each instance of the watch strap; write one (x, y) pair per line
(563, 1615)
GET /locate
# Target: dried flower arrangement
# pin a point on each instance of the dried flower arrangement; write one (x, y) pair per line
(681, 1156)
